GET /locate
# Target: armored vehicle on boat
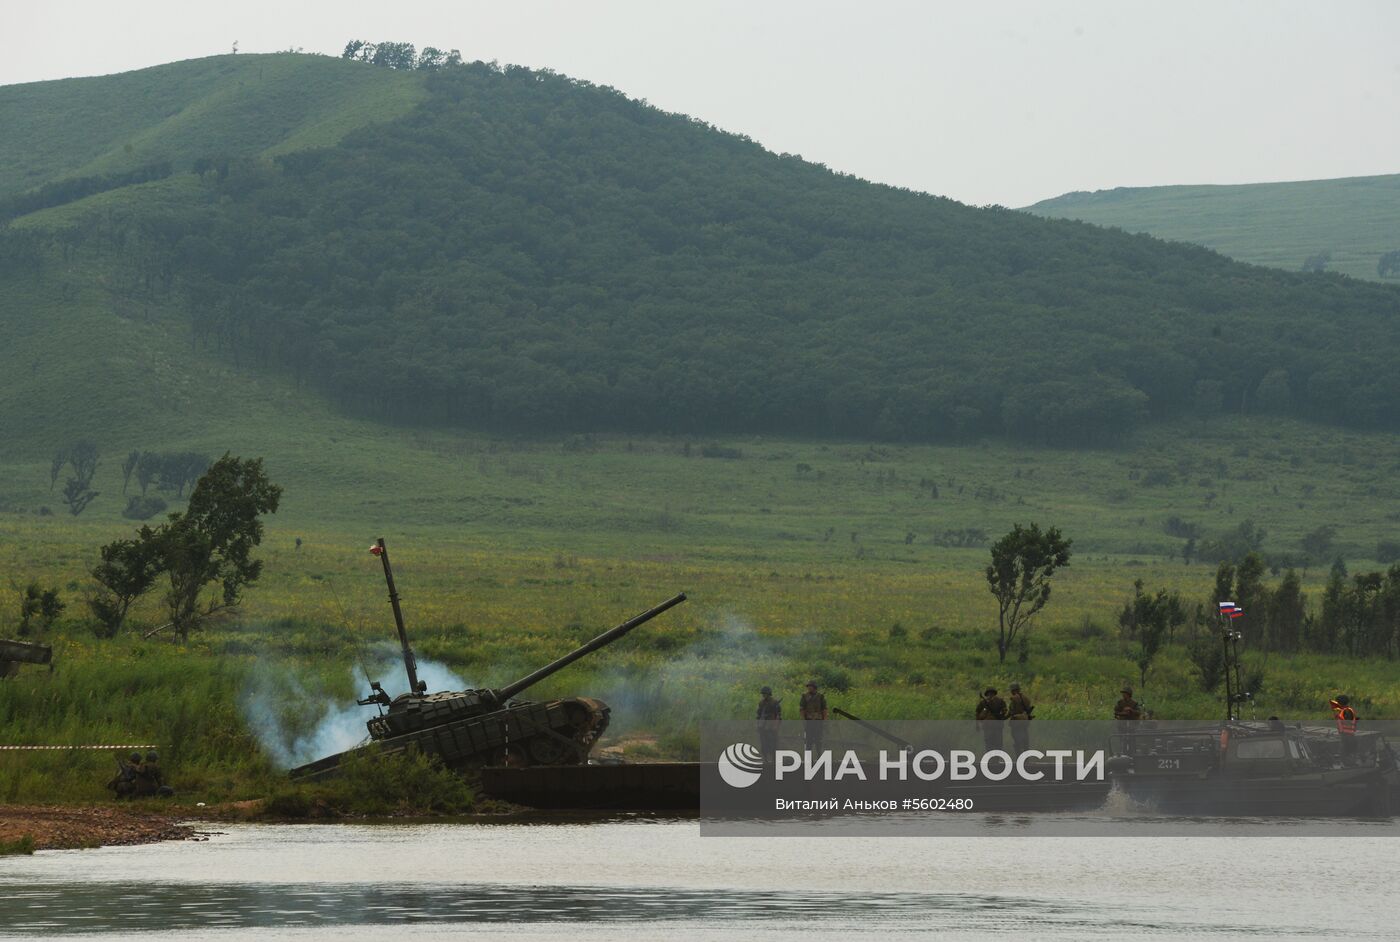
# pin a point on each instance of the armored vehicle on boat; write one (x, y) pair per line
(475, 728)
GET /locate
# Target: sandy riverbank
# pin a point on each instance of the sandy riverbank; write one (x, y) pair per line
(61, 828)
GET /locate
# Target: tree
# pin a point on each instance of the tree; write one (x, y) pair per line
(1274, 393)
(213, 539)
(1022, 565)
(1287, 611)
(78, 492)
(1151, 620)
(1250, 592)
(1317, 544)
(38, 603)
(127, 571)
(60, 458)
(128, 466)
(147, 470)
(1388, 265)
(1327, 629)
(394, 55)
(1317, 262)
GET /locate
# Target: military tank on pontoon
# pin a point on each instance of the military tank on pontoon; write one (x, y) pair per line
(468, 729)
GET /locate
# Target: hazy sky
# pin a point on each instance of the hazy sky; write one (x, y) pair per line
(987, 102)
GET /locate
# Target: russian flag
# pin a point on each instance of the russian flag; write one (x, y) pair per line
(1227, 606)
(1236, 612)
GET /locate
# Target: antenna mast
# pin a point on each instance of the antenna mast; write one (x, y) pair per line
(410, 664)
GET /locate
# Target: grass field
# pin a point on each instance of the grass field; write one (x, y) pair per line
(800, 558)
(1274, 224)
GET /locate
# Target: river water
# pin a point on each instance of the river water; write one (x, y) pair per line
(660, 879)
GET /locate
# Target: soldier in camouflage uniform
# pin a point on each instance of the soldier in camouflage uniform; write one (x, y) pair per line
(769, 716)
(813, 709)
(1021, 708)
(991, 717)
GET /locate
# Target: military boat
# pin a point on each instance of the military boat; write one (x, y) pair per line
(470, 729)
(1251, 768)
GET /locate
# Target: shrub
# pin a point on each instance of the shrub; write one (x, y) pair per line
(1184, 529)
(25, 845)
(143, 508)
(290, 803)
(833, 678)
(372, 784)
(968, 537)
(1158, 477)
(38, 605)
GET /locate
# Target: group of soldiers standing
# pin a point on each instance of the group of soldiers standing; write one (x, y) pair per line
(1017, 711)
(811, 708)
(992, 712)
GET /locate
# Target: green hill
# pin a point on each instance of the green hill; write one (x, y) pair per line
(1356, 220)
(225, 105)
(514, 250)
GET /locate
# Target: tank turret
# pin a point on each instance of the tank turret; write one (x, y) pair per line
(474, 728)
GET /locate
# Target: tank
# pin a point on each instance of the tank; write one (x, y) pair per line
(468, 729)
(15, 653)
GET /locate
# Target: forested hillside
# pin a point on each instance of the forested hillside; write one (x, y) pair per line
(1351, 225)
(521, 251)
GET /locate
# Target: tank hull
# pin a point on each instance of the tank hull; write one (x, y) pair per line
(521, 734)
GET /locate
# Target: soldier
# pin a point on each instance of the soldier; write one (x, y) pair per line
(1021, 709)
(123, 784)
(770, 714)
(812, 706)
(990, 714)
(149, 780)
(1126, 709)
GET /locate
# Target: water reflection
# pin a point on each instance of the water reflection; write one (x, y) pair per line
(130, 907)
(664, 879)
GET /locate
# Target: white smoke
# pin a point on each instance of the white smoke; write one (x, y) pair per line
(294, 726)
(689, 685)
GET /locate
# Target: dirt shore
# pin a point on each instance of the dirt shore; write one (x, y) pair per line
(60, 828)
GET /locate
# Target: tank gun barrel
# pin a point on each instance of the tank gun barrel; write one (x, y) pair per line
(901, 743)
(604, 639)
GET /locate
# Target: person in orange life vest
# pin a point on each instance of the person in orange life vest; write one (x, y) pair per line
(1346, 719)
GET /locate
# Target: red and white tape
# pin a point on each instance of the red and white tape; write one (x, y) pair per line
(32, 748)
